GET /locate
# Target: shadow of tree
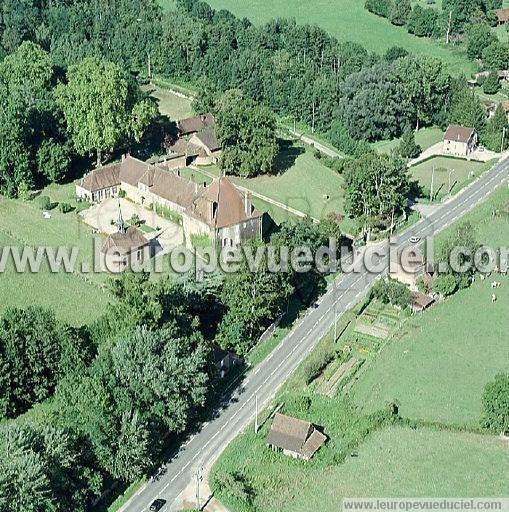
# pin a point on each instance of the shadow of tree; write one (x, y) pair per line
(288, 153)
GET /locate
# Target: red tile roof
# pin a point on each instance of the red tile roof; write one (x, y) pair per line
(221, 205)
(458, 133)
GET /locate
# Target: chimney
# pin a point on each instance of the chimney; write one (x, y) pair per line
(247, 204)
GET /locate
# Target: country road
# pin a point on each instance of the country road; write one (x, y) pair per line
(264, 380)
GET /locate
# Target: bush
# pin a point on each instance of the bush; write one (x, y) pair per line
(491, 85)
(65, 207)
(338, 135)
(44, 203)
(122, 194)
(296, 404)
(53, 160)
(445, 285)
(315, 364)
(495, 404)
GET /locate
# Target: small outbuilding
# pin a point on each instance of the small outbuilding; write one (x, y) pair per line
(420, 301)
(296, 438)
(459, 140)
(502, 16)
(127, 247)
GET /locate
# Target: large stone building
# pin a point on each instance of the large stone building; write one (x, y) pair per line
(218, 211)
(459, 140)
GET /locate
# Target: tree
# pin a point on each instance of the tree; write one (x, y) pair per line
(445, 285)
(253, 299)
(422, 22)
(495, 404)
(479, 37)
(33, 350)
(44, 469)
(395, 52)
(247, 132)
(53, 160)
(496, 56)
(27, 117)
(463, 236)
(399, 11)
(407, 147)
(424, 85)
(466, 110)
(379, 7)
(376, 188)
(101, 106)
(372, 105)
(496, 134)
(491, 85)
(391, 291)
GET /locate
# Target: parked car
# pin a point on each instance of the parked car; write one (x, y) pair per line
(157, 505)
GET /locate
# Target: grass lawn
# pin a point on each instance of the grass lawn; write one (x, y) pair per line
(425, 137)
(393, 462)
(462, 172)
(438, 366)
(347, 20)
(304, 184)
(171, 105)
(76, 298)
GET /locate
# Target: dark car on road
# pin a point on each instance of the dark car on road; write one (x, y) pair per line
(157, 505)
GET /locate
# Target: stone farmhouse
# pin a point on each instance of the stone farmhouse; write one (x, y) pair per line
(459, 140)
(197, 140)
(296, 438)
(218, 211)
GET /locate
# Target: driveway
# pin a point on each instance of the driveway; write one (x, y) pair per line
(437, 150)
(103, 216)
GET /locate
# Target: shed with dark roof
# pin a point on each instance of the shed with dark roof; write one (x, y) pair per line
(195, 124)
(297, 438)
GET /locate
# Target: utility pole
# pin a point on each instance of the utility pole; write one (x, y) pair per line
(334, 287)
(450, 172)
(503, 137)
(432, 180)
(256, 414)
(199, 478)
(448, 28)
(149, 66)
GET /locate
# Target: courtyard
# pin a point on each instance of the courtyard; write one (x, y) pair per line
(102, 218)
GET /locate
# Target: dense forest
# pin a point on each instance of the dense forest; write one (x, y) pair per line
(296, 70)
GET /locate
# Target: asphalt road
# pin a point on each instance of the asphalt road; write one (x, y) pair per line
(264, 380)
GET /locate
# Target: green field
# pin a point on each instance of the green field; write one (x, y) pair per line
(170, 104)
(425, 137)
(393, 462)
(459, 171)
(304, 184)
(439, 365)
(76, 298)
(347, 20)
